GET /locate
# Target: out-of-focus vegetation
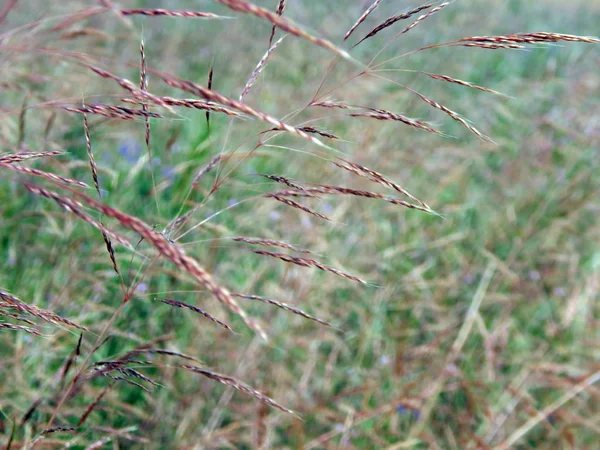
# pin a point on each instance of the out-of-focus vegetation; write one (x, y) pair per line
(478, 329)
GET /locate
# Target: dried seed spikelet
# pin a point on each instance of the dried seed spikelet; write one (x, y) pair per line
(270, 243)
(313, 130)
(529, 38)
(283, 180)
(338, 190)
(423, 17)
(19, 157)
(388, 115)
(280, 9)
(41, 173)
(259, 67)
(10, 326)
(194, 104)
(196, 310)
(306, 262)
(46, 316)
(168, 13)
(392, 20)
(238, 385)
(455, 116)
(94, 169)
(172, 252)
(376, 177)
(329, 104)
(283, 306)
(283, 23)
(114, 112)
(362, 18)
(448, 79)
(293, 204)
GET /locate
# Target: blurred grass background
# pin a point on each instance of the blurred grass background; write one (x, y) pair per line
(520, 234)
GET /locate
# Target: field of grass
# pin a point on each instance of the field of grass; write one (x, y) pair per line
(478, 323)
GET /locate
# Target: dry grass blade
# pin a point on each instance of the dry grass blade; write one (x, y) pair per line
(10, 326)
(448, 79)
(388, 115)
(280, 9)
(270, 243)
(283, 23)
(424, 17)
(392, 20)
(113, 112)
(149, 12)
(362, 18)
(57, 430)
(259, 68)
(376, 177)
(46, 316)
(529, 38)
(41, 173)
(455, 116)
(19, 157)
(173, 253)
(238, 385)
(210, 95)
(283, 306)
(76, 207)
(306, 262)
(196, 310)
(293, 204)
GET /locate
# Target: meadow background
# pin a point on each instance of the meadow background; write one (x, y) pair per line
(479, 329)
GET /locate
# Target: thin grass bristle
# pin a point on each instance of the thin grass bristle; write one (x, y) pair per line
(209, 316)
(376, 177)
(306, 262)
(283, 306)
(293, 204)
(270, 243)
(238, 385)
